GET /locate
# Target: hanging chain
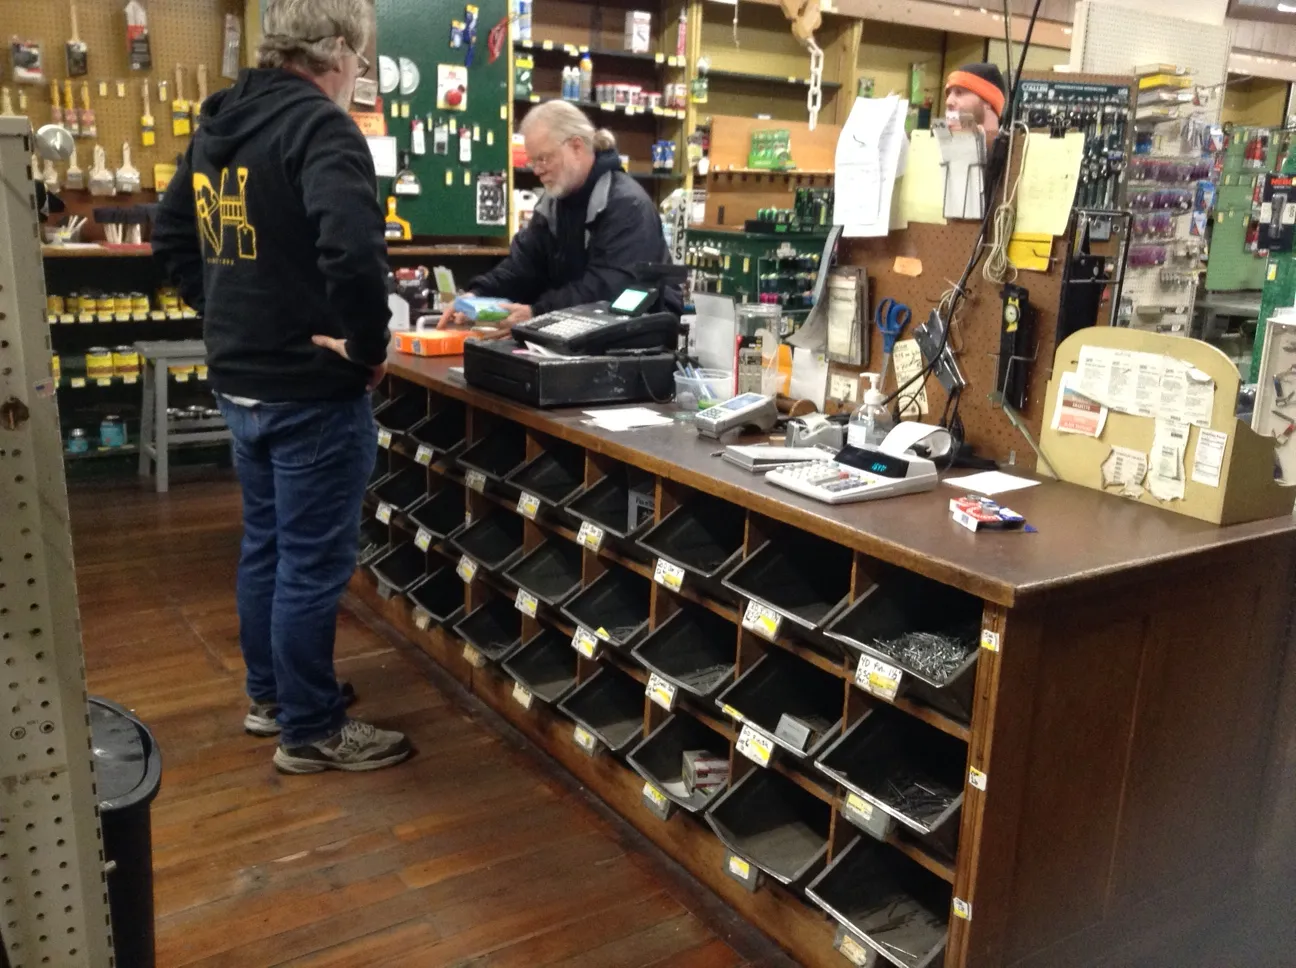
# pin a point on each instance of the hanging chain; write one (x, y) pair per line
(814, 99)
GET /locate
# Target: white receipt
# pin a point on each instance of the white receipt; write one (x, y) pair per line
(1146, 384)
(1208, 459)
(1125, 468)
(1165, 477)
(908, 360)
(991, 482)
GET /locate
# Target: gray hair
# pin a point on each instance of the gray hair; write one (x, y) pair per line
(565, 121)
(302, 32)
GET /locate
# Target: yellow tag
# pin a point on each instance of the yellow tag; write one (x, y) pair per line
(976, 778)
(731, 712)
(200, 371)
(522, 695)
(490, 137)
(661, 58)
(584, 739)
(852, 951)
(104, 381)
(673, 60)
(182, 378)
(606, 106)
(424, 455)
(962, 909)
(1272, 272)
(467, 569)
(655, 795)
(130, 379)
(423, 540)
(547, 44)
(590, 536)
(157, 315)
(739, 867)
(473, 657)
(503, 112)
(476, 132)
(103, 89)
(395, 109)
(726, 261)
(422, 619)
(467, 179)
(528, 506)
(672, 576)
(405, 109)
(449, 177)
(602, 633)
(746, 264)
(661, 692)
(877, 677)
(535, 98)
(85, 317)
(761, 620)
(526, 603)
(476, 481)
(77, 382)
(139, 317)
(791, 79)
(384, 438)
(989, 640)
(858, 805)
(755, 746)
(585, 643)
(121, 317)
(121, 88)
(384, 513)
(67, 318)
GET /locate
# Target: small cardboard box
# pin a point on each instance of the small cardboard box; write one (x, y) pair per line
(433, 342)
(638, 31)
(704, 770)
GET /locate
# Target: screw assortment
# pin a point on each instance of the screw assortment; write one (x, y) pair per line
(935, 656)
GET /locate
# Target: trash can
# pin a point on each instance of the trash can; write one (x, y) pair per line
(128, 773)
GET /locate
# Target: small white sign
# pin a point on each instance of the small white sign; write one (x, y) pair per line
(661, 692)
(528, 506)
(422, 619)
(424, 455)
(976, 778)
(877, 677)
(384, 438)
(989, 640)
(522, 695)
(473, 657)
(739, 867)
(672, 576)
(962, 909)
(423, 540)
(651, 793)
(590, 536)
(762, 620)
(859, 807)
(526, 603)
(756, 746)
(476, 481)
(584, 739)
(467, 569)
(384, 513)
(584, 642)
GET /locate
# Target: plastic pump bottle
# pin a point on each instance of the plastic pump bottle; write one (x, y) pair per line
(585, 84)
(871, 422)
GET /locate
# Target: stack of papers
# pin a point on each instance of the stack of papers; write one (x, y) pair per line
(871, 155)
(627, 418)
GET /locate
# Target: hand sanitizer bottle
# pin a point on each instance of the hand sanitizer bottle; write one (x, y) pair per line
(871, 422)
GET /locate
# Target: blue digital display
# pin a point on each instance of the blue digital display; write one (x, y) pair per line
(873, 461)
(878, 467)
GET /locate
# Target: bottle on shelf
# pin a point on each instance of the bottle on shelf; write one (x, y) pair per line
(681, 39)
(585, 84)
(871, 422)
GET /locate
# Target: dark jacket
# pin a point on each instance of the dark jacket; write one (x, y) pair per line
(271, 229)
(582, 248)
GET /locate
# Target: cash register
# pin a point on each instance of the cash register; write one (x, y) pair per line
(618, 351)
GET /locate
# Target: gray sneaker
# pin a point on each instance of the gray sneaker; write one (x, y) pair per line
(261, 718)
(356, 747)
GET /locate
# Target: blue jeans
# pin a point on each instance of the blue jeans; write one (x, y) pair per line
(303, 468)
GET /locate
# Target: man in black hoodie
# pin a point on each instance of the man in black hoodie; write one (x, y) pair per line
(271, 229)
(594, 224)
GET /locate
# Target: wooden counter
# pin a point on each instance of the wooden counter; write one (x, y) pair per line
(1134, 726)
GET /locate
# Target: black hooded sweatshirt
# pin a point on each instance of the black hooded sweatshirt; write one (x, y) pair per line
(272, 231)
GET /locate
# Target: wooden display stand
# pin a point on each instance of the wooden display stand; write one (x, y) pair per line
(1247, 490)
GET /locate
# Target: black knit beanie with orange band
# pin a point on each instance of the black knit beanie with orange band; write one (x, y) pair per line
(984, 80)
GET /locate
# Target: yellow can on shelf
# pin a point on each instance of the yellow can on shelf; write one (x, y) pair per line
(72, 303)
(54, 305)
(181, 373)
(56, 367)
(99, 363)
(122, 303)
(139, 303)
(126, 361)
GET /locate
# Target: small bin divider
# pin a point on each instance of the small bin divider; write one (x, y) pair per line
(441, 595)
(493, 629)
(404, 413)
(704, 536)
(610, 704)
(445, 433)
(898, 907)
(779, 685)
(801, 577)
(908, 769)
(380, 396)
(695, 649)
(545, 665)
(493, 542)
(771, 822)
(659, 759)
(555, 476)
(614, 607)
(379, 474)
(405, 489)
(499, 453)
(442, 514)
(551, 572)
(401, 567)
(928, 630)
(620, 504)
(375, 540)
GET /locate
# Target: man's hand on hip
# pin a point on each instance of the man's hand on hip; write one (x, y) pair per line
(338, 346)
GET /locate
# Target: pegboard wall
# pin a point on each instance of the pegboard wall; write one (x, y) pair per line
(53, 900)
(184, 32)
(1111, 38)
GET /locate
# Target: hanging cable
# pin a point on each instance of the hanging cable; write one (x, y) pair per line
(998, 267)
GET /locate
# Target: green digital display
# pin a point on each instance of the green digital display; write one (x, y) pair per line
(629, 301)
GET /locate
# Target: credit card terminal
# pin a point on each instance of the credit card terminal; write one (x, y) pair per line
(745, 410)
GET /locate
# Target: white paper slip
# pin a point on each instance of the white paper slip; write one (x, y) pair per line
(1166, 478)
(1125, 468)
(1208, 459)
(1076, 413)
(627, 418)
(991, 482)
(756, 746)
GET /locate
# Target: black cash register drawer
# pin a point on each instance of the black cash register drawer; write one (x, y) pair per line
(495, 365)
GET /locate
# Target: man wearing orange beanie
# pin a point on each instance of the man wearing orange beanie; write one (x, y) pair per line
(977, 90)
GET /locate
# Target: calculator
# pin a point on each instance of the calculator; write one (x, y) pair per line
(857, 474)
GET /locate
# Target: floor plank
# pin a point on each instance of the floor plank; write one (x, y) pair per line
(475, 854)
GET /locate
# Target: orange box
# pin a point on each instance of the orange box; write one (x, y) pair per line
(433, 342)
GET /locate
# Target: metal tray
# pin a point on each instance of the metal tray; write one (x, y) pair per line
(610, 704)
(704, 536)
(494, 542)
(550, 572)
(803, 578)
(606, 503)
(401, 567)
(555, 477)
(695, 649)
(545, 665)
(659, 759)
(769, 821)
(779, 683)
(445, 433)
(499, 453)
(614, 607)
(441, 595)
(493, 629)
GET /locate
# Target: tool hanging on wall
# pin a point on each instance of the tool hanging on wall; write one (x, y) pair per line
(202, 95)
(101, 179)
(128, 176)
(233, 47)
(137, 37)
(418, 138)
(75, 177)
(406, 182)
(180, 126)
(396, 229)
(148, 136)
(77, 51)
(6, 103)
(56, 107)
(89, 127)
(28, 64)
(1016, 329)
(71, 120)
(50, 178)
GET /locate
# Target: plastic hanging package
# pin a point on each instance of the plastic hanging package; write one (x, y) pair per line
(28, 68)
(137, 37)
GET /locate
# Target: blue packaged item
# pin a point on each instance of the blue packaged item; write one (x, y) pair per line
(482, 309)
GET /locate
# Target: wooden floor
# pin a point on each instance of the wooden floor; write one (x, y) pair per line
(476, 853)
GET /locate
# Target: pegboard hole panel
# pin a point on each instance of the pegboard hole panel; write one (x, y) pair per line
(1111, 38)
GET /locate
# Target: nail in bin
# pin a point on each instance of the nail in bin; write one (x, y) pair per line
(659, 759)
(554, 477)
(499, 453)
(440, 595)
(620, 504)
(898, 908)
(614, 607)
(899, 609)
(404, 413)
(903, 767)
(401, 567)
(493, 629)
(405, 489)
(703, 536)
(769, 821)
(445, 432)
(545, 665)
(610, 704)
(550, 572)
(783, 697)
(695, 649)
(803, 578)
(494, 542)
(375, 540)
(442, 514)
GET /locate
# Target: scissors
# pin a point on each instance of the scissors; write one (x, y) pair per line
(891, 318)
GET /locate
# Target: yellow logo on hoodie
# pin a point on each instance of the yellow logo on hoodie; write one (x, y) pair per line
(218, 211)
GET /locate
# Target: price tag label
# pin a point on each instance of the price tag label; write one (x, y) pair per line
(739, 867)
(422, 619)
(731, 712)
(467, 569)
(121, 317)
(672, 576)
(182, 378)
(384, 438)
(989, 640)
(590, 536)
(762, 620)
(877, 677)
(476, 481)
(473, 657)
(585, 739)
(859, 807)
(104, 381)
(653, 795)
(757, 747)
(660, 58)
(547, 44)
(384, 513)
(522, 695)
(602, 633)
(130, 379)
(852, 951)
(661, 692)
(673, 60)
(583, 641)
(424, 455)
(423, 540)
(962, 909)
(526, 603)
(139, 317)
(528, 506)
(157, 315)
(976, 778)
(85, 317)
(77, 382)
(607, 106)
